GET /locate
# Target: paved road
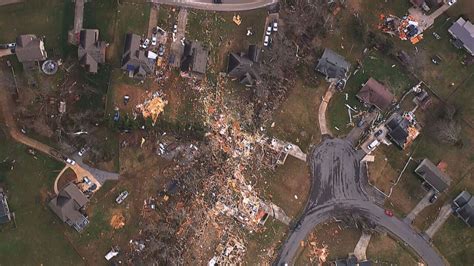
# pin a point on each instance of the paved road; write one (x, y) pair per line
(338, 188)
(227, 5)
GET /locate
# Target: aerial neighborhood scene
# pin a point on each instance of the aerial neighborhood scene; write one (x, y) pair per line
(237, 132)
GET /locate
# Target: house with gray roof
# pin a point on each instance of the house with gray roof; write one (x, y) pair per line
(244, 66)
(30, 50)
(194, 59)
(5, 215)
(91, 51)
(463, 33)
(69, 205)
(433, 176)
(134, 59)
(463, 206)
(334, 67)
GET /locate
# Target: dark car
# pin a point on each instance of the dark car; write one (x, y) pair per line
(161, 50)
(433, 198)
(217, 1)
(378, 133)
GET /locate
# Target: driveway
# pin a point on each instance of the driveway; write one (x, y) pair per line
(227, 5)
(339, 188)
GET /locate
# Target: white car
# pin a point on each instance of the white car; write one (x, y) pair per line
(87, 180)
(275, 25)
(121, 197)
(288, 148)
(175, 28)
(373, 144)
(266, 41)
(452, 2)
(82, 151)
(70, 161)
(269, 30)
(153, 40)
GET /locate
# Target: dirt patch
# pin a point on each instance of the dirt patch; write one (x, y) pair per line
(137, 95)
(118, 220)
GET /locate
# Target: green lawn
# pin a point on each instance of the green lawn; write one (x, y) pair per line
(455, 241)
(38, 237)
(376, 65)
(49, 18)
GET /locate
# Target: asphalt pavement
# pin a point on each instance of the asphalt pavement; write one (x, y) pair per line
(339, 188)
(226, 5)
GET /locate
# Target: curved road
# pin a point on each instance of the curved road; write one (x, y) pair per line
(227, 5)
(338, 188)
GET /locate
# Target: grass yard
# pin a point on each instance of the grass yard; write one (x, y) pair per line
(296, 120)
(225, 36)
(383, 250)
(38, 237)
(455, 241)
(338, 240)
(259, 245)
(49, 18)
(384, 69)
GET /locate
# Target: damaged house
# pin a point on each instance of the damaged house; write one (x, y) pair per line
(134, 60)
(68, 205)
(244, 67)
(91, 51)
(400, 130)
(373, 93)
(334, 67)
(194, 60)
(30, 51)
(463, 33)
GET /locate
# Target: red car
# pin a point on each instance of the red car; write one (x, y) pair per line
(389, 213)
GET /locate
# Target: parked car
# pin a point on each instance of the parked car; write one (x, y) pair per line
(217, 1)
(436, 59)
(378, 133)
(433, 198)
(82, 151)
(175, 28)
(266, 41)
(70, 161)
(86, 180)
(436, 35)
(121, 197)
(389, 213)
(288, 147)
(269, 30)
(153, 40)
(452, 2)
(373, 144)
(275, 25)
(161, 50)
(11, 45)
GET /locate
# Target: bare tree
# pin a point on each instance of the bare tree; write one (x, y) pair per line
(448, 131)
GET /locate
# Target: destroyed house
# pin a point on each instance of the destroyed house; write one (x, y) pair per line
(244, 67)
(333, 66)
(373, 93)
(91, 51)
(5, 215)
(30, 50)
(194, 60)
(433, 176)
(463, 206)
(134, 60)
(463, 33)
(397, 127)
(68, 205)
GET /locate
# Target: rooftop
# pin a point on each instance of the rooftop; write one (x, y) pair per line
(464, 207)
(67, 205)
(463, 31)
(134, 59)
(30, 48)
(91, 51)
(433, 176)
(333, 65)
(376, 94)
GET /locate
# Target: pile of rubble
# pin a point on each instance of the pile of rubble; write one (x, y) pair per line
(406, 28)
(153, 106)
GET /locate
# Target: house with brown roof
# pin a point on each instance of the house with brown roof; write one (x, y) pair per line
(69, 205)
(30, 50)
(91, 51)
(373, 93)
(134, 59)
